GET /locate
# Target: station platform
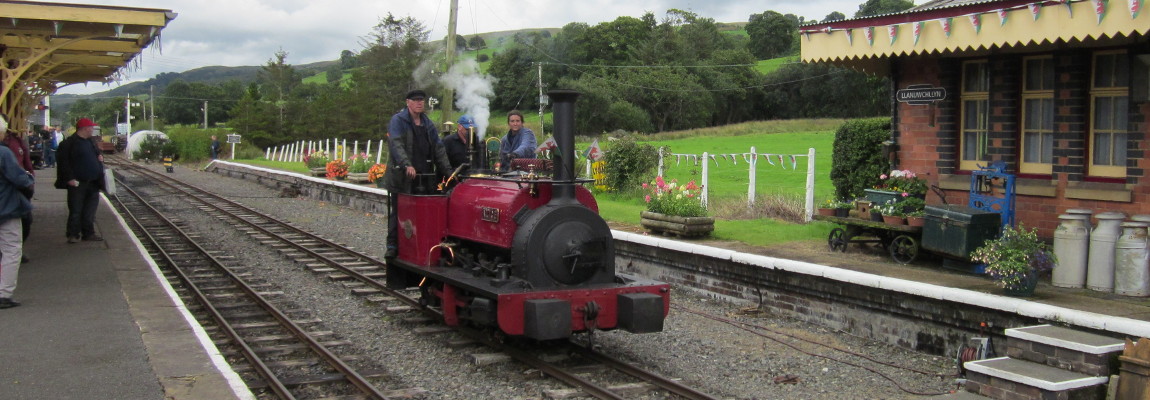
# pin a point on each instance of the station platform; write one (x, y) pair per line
(96, 321)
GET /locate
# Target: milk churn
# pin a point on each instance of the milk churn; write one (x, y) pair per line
(1100, 264)
(1131, 267)
(1071, 241)
(1086, 214)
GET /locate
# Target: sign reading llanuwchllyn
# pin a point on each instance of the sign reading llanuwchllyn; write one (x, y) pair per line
(920, 95)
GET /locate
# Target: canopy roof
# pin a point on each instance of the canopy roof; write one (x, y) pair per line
(971, 26)
(45, 46)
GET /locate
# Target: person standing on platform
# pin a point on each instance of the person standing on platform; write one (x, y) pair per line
(15, 142)
(80, 170)
(50, 143)
(414, 148)
(215, 149)
(518, 143)
(16, 186)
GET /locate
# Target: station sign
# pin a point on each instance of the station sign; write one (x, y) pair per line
(233, 138)
(920, 95)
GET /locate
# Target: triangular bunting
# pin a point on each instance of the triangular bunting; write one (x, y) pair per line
(917, 31)
(1135, 7)
(869, 33)
(1099, 9)
(892, 31)
(794, 163)
(1069, 8)
(1001, 17)
(1034, 9)
(768, 157)
(945, 23)
(976, 21)
(851, 35)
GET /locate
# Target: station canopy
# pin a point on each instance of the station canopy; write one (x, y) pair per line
(46, 46)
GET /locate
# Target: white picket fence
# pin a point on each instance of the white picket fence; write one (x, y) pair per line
(751, 159)
(335, 148)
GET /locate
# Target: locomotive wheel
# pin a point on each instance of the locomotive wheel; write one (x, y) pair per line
(903, 249)
(837, 240)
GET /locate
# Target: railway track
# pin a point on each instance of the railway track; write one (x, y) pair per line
(364, 275)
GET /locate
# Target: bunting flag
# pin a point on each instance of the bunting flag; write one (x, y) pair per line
(1099, 9)
(917, 31)
(57, 25)
(1001, 17)
(1069, 8)
(869, 33)
(976, 21)
(945, 23)
(826, 29)
(794, 163)
(713, 159)
(768, 157)
(594, 152)
(781, 162)
(548, 144)
(807, 34)
(119, 28)
(851, 35)
(1135, 7)
(747, 157)
(1034, 8)
(892, 31)
(735, 159)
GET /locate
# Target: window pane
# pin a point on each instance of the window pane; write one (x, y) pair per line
(1121, 112)
(1033, 75)
(1103, 112)
(1121, 70)
(970, 146)
(975, 78)
(1047, 148)
(1048, 115)
(1032, 146)
(1102, 149)
(1120, 149)
(1103, 70)
(1033, 114)
(1048, 74)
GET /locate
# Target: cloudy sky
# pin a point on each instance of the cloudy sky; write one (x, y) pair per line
(248, 32)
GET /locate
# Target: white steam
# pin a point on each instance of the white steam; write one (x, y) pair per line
(473, 91)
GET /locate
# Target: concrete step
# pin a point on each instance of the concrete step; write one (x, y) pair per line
(1008, 378)
(1064, 348)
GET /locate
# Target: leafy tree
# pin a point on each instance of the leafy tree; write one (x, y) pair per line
(483, 58)
(347, 60)
(834, 16)
(820, 90)
(770, 34)
(880, 7)
(476, 42)
(515, 74)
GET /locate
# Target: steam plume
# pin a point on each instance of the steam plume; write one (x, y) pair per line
(474, 91)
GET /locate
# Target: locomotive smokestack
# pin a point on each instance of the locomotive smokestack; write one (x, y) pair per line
(563, 103)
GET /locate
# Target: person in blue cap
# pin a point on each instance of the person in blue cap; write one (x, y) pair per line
(457, 145)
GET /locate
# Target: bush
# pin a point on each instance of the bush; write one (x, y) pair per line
(857, 160)
(629, 163)
(154, 149)
(194, 144)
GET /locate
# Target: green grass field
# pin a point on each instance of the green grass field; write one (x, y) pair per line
(767, 66)
(728, 182)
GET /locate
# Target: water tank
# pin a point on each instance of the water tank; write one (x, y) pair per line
(1100, 264)
(1071, 243)
(1131, 267)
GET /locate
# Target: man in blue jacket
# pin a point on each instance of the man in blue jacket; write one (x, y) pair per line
(16, 187)
(414, 149)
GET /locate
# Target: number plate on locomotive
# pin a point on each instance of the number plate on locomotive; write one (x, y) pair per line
(491, 214)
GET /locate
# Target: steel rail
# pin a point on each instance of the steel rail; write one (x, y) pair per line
(318, 348)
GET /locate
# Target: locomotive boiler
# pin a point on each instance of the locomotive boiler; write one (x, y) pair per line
(525, 253)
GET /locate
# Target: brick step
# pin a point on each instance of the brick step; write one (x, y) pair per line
(957, 396)
(1008, 378)
(1064, 348)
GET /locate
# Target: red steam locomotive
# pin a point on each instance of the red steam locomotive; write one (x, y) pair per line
(527, 255)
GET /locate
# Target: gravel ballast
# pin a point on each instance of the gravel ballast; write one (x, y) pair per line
(717, 357)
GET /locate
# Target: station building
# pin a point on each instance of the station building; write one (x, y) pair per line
(46, 46)
(1059, 91)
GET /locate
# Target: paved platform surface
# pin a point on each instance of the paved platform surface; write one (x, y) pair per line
(96, 322)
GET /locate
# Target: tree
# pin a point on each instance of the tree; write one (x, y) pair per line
(347, 60)
(880, 7)
(279, 78)
(770, 34)
(834, 16)
(476, 42)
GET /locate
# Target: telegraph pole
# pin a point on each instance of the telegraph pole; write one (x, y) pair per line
(541, 102)
(449, 94)
(152, 107)
(128, 112)
(205, 114)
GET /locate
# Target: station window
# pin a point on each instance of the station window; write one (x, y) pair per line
(1109, 114)
(1038, 115)
(975, 98)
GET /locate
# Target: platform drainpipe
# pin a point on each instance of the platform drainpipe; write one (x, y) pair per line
(563, 103)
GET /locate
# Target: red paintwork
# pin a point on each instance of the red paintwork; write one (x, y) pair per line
(469, 199)
(510, 306)
(422, 225)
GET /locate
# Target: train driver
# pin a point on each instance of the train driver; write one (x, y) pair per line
(456, 145)
(414, 149)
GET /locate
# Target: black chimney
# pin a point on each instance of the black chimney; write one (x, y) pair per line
(563, 106)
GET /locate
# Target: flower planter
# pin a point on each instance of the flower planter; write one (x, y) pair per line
(381, 183)
(842, 212)
(827, 211)
(916, 221)
(893, 220)
(358, 177)
(1025, 287)
(686, 227)
(875, 216)
(320, 172)
(878, 197)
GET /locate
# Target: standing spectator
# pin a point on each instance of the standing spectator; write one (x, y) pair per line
(518, 143)
(414, 148)
(15, 142)
(16, 187)
(50, 143)
(215, 149)
(81, 172)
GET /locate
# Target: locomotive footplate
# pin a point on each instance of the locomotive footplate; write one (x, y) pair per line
(638, 305)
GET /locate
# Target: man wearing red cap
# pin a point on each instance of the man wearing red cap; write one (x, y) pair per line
(80, 170)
